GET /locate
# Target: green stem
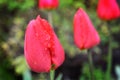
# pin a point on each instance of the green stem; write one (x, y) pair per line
(52, 74)
(91, 68)
(50, 18)
(109, 60)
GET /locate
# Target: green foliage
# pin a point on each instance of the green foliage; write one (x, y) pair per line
(64, 3)
(98, 73)
(2, 1)
(104, 33)
(5, 67)
(115, 29)
(20, 65)
(72, 3)
(18, 4)
(79, 3)
(85, 72)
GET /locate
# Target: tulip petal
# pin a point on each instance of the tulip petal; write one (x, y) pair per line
(58, 54)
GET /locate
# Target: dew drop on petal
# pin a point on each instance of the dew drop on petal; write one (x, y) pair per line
(47, 37)
(45, 49)
(35, 63)
(36, 34)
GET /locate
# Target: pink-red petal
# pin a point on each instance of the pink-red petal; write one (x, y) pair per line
(36, 55)
(85, 35)
(48, 4)
(42, 48)
(108, 9)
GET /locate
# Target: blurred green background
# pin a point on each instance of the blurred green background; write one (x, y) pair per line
(14, 17)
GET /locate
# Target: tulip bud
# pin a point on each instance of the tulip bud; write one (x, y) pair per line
(48, 4)
(108, 9)
(85, 35)
(41, 46)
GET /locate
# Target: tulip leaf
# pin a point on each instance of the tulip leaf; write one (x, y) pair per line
(59, 77)
(27, 75)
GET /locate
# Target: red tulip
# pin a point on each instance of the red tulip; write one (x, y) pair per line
(42, 47)
(108, 9)
(85, 35)
(48, 4)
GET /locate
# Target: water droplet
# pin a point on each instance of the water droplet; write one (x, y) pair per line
(45, 48)
(49, 45)
(35, 63)
(48, 37)
(36, 34)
